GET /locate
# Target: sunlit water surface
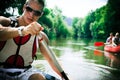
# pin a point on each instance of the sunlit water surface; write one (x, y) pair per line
(81, 60)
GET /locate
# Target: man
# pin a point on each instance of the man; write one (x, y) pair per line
(18, 44)
(109, 39)
(116, 40)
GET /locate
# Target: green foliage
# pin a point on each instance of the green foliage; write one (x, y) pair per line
(10, 5)
(99, 23)
(54, 23)
(86, 25)
(4, 6)
(97, 26)
(112, 17)
(20, 4)
(75, 26)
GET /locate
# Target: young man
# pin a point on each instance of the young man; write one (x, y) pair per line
(18, 44)
(109, 39)
(116, 40)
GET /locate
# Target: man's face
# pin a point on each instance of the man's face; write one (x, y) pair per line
(32, 12)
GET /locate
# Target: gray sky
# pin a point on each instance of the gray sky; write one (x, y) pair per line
(76, 8)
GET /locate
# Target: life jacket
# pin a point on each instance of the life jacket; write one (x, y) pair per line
(116, 41)
(18, 52)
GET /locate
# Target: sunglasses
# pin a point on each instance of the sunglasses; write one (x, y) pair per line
(35, 12)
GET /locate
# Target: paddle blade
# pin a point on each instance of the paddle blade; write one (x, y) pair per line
(99, 44)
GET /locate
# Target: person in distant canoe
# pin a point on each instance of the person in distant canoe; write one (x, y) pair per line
(116, 39)
(109, 39)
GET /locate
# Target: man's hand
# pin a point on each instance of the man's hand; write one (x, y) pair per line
(33, 29)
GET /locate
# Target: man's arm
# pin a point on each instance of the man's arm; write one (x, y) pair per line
(4, 21)
(113, 41)
(6, 32)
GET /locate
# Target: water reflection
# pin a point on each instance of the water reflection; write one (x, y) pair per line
(98, 53)
(81, 60)
(113, 59)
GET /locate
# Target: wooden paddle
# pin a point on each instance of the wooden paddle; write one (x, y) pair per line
(52, 55)
(99, 44)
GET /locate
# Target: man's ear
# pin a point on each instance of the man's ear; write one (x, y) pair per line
(24, 7)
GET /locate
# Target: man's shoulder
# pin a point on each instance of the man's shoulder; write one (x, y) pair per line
(13, 21)
(4, 21)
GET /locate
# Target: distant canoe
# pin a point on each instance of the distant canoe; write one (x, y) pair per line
(113, 49)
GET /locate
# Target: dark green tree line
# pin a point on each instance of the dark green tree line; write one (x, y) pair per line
(99, 23)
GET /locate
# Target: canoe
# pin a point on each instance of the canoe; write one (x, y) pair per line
(113, 49)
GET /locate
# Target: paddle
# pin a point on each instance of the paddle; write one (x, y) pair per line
(99, 44)
(51, 54)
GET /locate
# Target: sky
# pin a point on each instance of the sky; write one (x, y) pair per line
(76, 8)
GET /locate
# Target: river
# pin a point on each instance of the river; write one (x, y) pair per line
(81, 60)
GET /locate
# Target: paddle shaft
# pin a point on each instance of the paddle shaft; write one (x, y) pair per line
(52, 55)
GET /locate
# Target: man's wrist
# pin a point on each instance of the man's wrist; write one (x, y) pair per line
(20, 31)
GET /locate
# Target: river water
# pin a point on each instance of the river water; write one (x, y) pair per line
(81, 60)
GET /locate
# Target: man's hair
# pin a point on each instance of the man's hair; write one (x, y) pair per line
(42, 2)
(117, 34)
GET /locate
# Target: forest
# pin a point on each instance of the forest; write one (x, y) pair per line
(96, 24)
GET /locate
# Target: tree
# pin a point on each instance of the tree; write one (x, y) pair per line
(112, 17)
(75, 27)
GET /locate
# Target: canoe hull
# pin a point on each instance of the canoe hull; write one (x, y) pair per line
(112, 49)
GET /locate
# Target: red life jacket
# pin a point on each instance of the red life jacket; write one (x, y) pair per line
(18, 52)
